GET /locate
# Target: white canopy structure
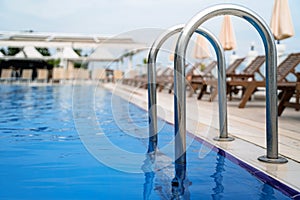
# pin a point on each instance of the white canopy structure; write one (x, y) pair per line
(105, 48)
(21, 54)
(66, 53)
(102, 54)
(29, 52)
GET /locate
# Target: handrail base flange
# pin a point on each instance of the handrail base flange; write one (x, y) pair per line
(225, 139)
(279, 160)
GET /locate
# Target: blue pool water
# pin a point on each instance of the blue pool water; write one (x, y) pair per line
(47, 153)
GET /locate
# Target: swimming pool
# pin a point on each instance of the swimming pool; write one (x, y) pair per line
(56, 143)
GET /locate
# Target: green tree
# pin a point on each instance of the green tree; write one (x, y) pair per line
(53, 63)
(3, 51)
(145, 61)
(83, 65)
(11, 51)
(43, 51)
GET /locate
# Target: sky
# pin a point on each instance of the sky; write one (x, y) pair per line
(117, 17)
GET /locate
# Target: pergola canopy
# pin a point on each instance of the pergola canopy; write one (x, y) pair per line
(104, 48)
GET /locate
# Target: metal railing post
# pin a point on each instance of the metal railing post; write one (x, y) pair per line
(222, 100)
(271, 74)
(152, 109)
(152, 85)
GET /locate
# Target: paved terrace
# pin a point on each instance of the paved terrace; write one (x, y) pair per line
(246, 125)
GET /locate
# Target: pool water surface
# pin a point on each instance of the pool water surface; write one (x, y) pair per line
(44, 154)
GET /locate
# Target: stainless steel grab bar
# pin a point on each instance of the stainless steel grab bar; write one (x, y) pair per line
(152, 110)
(271, 78)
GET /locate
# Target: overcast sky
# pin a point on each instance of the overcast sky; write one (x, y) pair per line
(113, 17)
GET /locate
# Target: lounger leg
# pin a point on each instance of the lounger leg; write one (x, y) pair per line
(161, 87)
(285, 97)
(193, 88)
(171, 88)
(230, 93)
(229, 90)
(297, 99)
(248, 92)
(202, 91)
(191, 91)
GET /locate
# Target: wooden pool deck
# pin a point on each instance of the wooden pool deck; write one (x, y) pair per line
(246, 125)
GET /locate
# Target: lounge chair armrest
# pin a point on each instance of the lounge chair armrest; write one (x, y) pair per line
(197, 76)
(240, 76)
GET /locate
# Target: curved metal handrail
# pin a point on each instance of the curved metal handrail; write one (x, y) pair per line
(152, 110)
(271, 81)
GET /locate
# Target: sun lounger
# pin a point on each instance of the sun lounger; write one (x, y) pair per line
(70, 74)
(42, 75)
(6, 75)
(59, 74)
(233, 66)
(288, 90)
(165, 80)
(247, 74)
(129, 77)
(80, 74)
(199, 81)
(286, 67)
(99, 75)
(117, 75)
(204, 82)
(141, 81)
(26, 75)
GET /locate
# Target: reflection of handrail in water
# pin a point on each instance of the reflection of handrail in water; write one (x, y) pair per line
(180, 183)
(149, 175)
(157, 179)
(155, 169)
(218, 177)
(267, 192)
(148, 185)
